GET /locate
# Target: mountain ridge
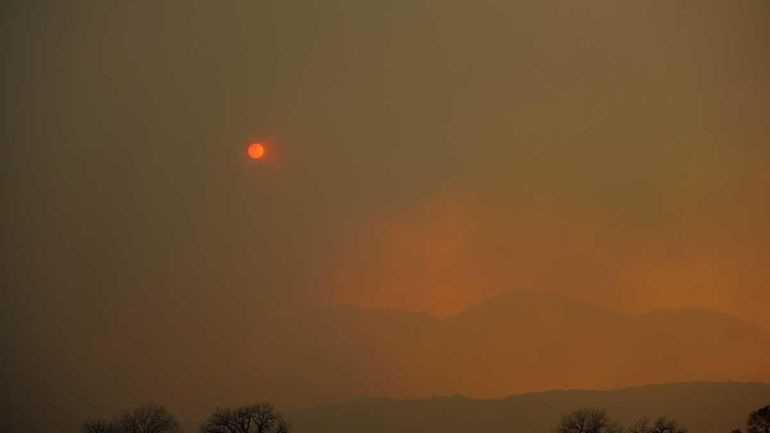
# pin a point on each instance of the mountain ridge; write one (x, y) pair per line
(707, 407)
(520, 341)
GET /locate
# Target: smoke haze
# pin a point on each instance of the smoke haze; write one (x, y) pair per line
(422, 156)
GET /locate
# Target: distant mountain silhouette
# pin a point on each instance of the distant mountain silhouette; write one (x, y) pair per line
(518, 342)
(515, 343)
(702, 407)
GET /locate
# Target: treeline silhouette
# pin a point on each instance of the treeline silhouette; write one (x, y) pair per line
(154, 418)
(598, 421)
(263, 418)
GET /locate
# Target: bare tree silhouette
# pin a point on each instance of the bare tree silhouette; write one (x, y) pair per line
(588, 421)
(99, 425)
(148, 418)
(759, 421)
(257, 418)
(667, 425)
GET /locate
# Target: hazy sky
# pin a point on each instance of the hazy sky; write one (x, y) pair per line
(422, 155)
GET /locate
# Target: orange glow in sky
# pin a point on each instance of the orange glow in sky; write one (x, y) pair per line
(256, 151)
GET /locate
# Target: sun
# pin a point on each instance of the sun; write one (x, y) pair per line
(256, 151)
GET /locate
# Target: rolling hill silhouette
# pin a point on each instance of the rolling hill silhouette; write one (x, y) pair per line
(515, 343)
(702, 407)
(518, 342)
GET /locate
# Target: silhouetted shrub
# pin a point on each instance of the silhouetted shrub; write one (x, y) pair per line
(759, 421)
(256, 418)
(588, 421)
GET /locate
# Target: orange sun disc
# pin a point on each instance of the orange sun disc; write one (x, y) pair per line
(256, 151)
